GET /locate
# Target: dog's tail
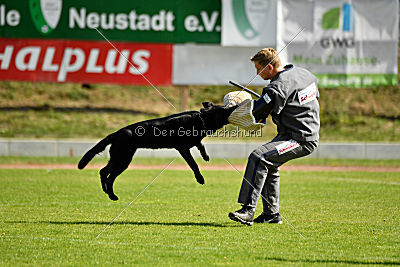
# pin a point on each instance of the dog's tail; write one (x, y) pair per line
(99, 147)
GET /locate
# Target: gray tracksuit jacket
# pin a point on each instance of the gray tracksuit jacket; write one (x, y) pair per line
(296, 107)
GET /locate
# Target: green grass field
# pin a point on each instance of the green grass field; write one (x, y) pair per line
(51, 217)
(54, 110)
(213, 161)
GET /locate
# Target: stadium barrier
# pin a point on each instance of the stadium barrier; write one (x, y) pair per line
(68, 148)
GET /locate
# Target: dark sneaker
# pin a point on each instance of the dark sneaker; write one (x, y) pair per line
(265, 218)
(245, 215)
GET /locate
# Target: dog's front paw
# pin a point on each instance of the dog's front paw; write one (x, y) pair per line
(112, 196)
(206, 157)
(110, 192)
(200, 179)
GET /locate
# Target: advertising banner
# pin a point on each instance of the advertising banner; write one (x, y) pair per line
(249, 23)
(345, 43)
(85, 61)
(214, 65)
(155, 21)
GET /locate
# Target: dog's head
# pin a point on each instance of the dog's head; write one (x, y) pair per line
(215, 116)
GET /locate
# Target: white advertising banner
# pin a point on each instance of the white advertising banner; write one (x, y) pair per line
(344, 42)
(214, 65)
(352, 43)
(249, 23)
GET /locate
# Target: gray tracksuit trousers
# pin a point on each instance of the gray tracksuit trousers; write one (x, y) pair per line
(262, 176)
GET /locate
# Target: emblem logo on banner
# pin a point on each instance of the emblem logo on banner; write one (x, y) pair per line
(338, 18)
(242, 20)
(331, 18)
(248, 22)
(45, 14)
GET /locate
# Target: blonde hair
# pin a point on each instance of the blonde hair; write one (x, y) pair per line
(267, 56)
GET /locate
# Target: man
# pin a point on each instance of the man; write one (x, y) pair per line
(292, 100)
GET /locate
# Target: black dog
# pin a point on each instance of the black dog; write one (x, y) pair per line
(181, 131)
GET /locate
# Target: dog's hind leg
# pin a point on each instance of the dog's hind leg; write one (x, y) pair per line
(104, 173)
(116, 170)
(121, 153)
(192, 163)
(118, 165)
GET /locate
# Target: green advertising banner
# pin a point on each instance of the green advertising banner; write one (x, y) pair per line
(148, 21)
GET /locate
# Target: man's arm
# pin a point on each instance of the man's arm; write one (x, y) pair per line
(264, 105)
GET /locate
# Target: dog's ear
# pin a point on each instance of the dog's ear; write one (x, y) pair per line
(207, 104)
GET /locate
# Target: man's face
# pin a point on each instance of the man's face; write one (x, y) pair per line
(264, 72)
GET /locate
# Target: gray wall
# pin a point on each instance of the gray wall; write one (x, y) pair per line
(58, 148)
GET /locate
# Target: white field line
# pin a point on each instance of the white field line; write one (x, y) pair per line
(43, 238)
(72, 240)
(366, 181)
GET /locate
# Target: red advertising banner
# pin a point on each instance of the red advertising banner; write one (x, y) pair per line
(85, 61)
